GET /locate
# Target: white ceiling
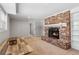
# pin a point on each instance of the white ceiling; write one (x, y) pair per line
(9, 7)
(41, 10)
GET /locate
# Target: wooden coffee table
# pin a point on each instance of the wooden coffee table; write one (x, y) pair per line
(21, 48)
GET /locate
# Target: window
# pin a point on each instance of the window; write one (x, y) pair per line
(3, 20)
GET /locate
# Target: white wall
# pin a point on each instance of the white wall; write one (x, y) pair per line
(9, 8)
(75, 28)
(19, 26)
(5, 34)
(39, 28)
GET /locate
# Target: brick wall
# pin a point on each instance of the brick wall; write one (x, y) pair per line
(64, 32)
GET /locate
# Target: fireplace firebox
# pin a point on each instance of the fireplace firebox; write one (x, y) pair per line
(53, 32)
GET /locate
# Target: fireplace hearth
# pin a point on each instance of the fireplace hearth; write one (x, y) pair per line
(53, 32)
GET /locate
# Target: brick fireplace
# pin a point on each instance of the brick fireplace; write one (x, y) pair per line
(57, 30)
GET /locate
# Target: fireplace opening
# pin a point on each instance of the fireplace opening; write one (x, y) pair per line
(53, 32)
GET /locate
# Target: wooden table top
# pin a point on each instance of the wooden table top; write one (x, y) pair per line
(20, 48)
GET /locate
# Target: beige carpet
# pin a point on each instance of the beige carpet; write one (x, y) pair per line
(43, 48)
